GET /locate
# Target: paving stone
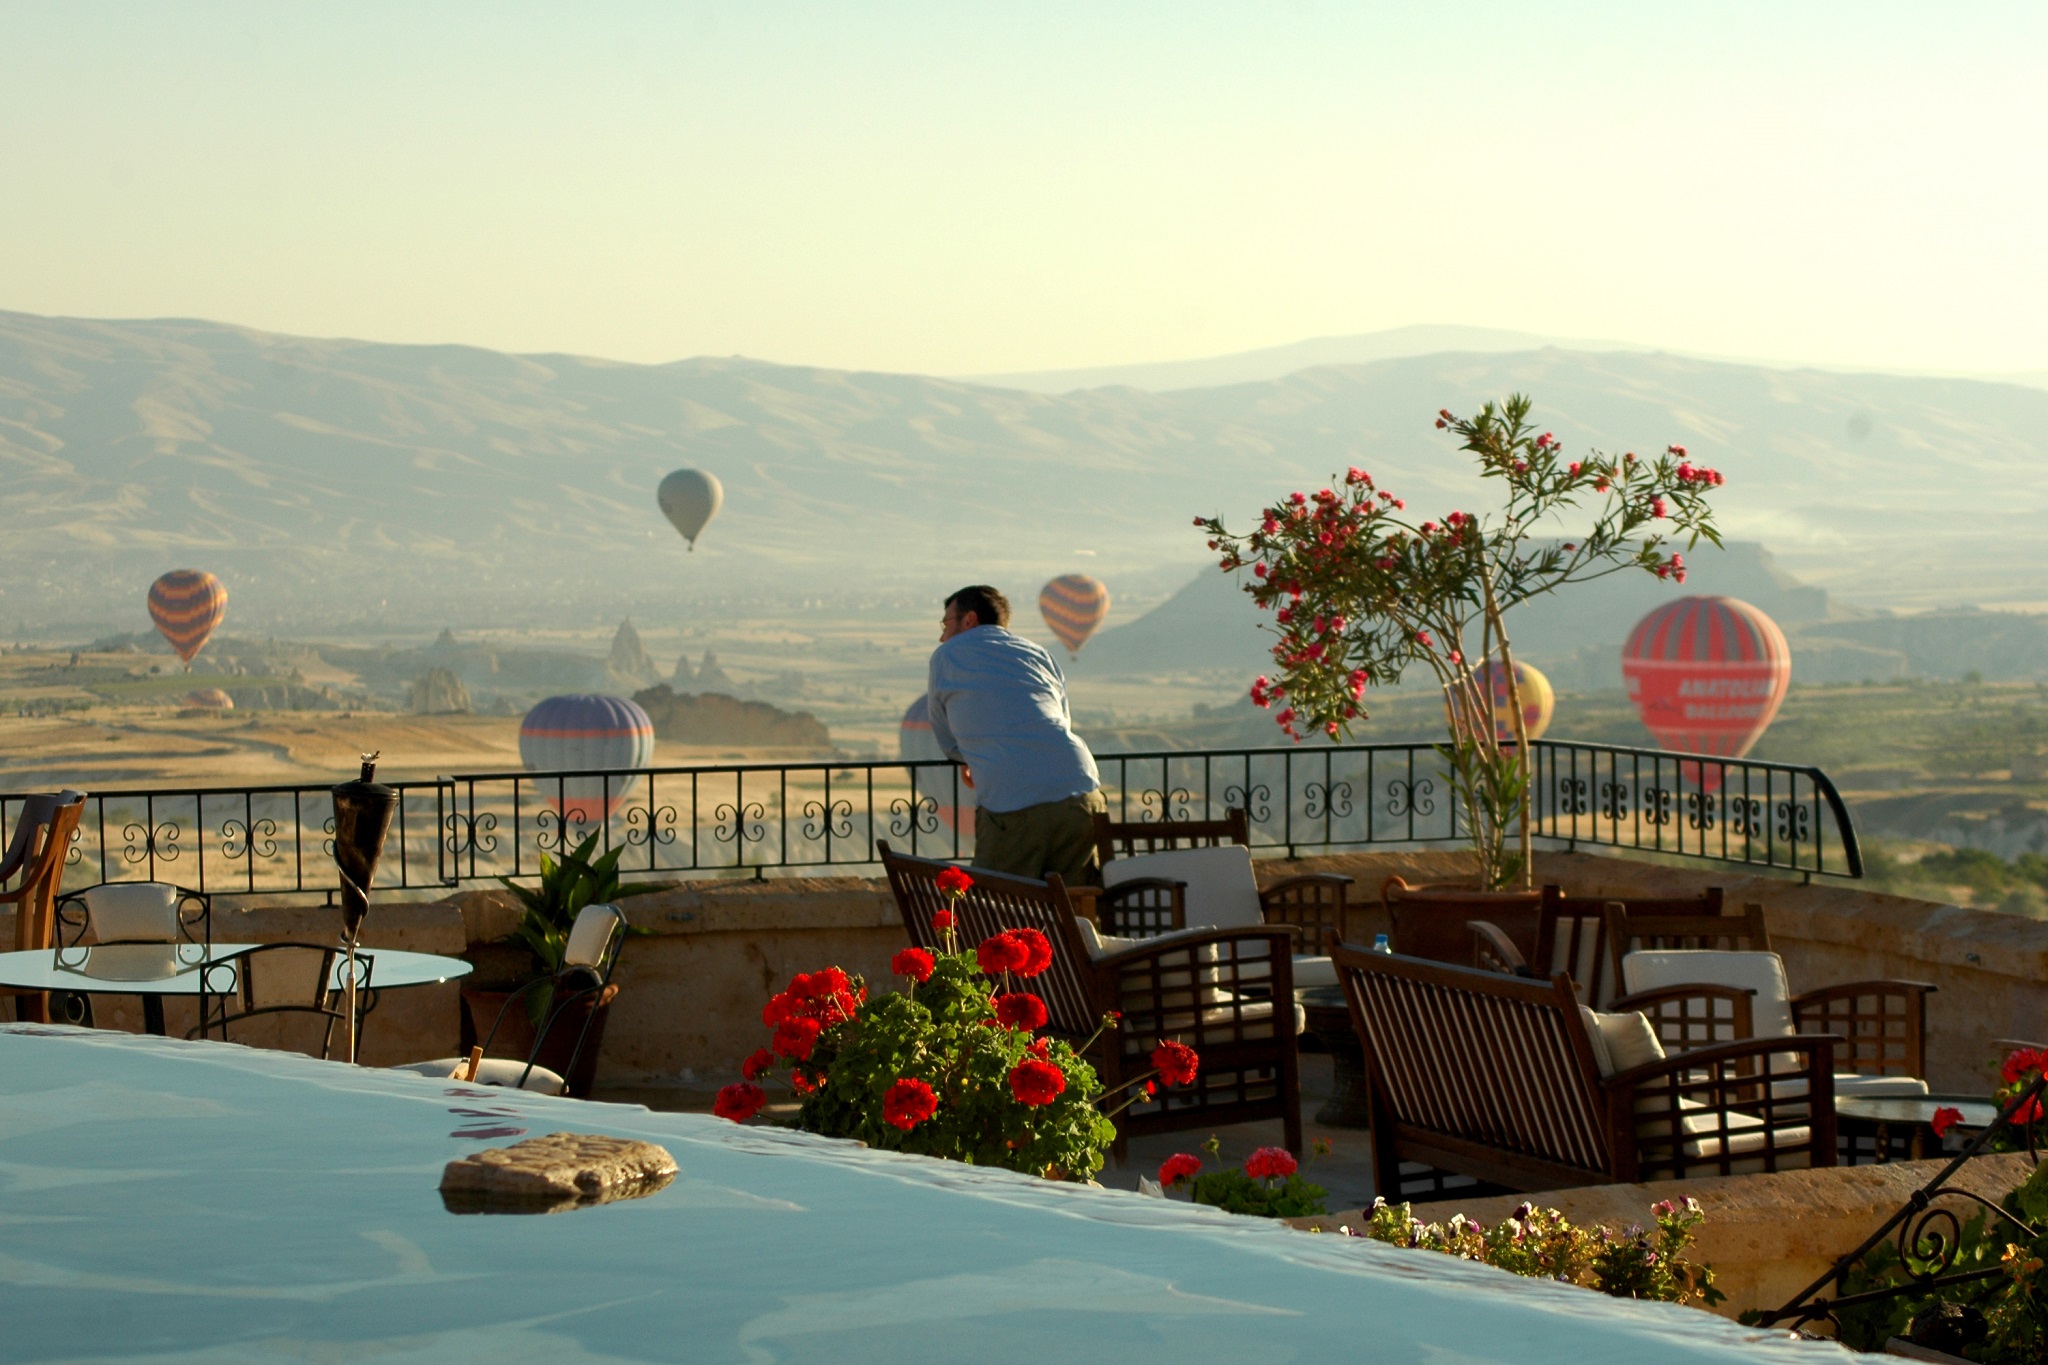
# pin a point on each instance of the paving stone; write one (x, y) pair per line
(559, 1171)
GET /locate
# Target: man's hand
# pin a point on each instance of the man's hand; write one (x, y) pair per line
(967, 776)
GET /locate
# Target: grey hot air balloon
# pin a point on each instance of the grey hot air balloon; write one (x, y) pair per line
(690, 498)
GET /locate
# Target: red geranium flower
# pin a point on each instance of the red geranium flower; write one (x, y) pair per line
(1001, 953)
(1021, 1010)
(1270, 1163)
(1176, 1063)
(758, 1065)
(794, 1038)
(739, 1102)
(1178, 1167)
(802, 1084)
(942, 920)
(908, 1103)
(778, 1008)
(2020, 1062)
(1944, 1119)
(915, 963)
(1037, 951)
(2028, 1113)
(1040, 1047)
(953, 882)
(1035, 1082)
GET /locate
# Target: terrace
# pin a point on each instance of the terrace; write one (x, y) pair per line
(769, 870)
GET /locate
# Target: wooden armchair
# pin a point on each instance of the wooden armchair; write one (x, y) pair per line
(1501, 1079)
(35, 861)
(1571, 937)
(1215, 990)
(1314, 902)
(1882, 1024)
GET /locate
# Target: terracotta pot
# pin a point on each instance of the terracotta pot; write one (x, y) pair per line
(514, 1040)
(1430, 921)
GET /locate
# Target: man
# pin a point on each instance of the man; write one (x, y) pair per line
(999, 706)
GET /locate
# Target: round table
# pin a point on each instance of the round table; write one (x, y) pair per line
(1902, 1127)
(155, 970)
(1329, 1018)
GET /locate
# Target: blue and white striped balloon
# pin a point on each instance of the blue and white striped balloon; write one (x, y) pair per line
(586, 732)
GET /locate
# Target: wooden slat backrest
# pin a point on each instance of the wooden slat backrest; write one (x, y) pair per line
(1628, 930)
(1571, 935)
(42, 874)
(1130, 838)
(1481, 1058)
(994, 903)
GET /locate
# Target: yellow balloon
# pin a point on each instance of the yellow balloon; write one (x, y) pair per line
(1539, 701)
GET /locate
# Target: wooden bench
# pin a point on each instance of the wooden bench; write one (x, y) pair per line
(1495, 1077)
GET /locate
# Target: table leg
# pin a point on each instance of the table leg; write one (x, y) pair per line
(1349, 1105)
(153, 1015)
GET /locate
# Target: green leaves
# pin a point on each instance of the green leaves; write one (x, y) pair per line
(565, 888)
(948, 1037)
(1235, 1192)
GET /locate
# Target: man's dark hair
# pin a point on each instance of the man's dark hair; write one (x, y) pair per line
(990, 607)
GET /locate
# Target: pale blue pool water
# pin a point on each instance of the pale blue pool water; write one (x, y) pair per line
(163, 1200)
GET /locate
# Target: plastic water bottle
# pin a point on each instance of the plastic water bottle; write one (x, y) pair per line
(1382, 944)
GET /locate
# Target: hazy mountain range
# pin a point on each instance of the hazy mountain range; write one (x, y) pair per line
(333, 480)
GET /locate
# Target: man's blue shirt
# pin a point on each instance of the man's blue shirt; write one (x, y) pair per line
(999, 705)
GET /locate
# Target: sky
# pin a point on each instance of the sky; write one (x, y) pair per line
(969, 188)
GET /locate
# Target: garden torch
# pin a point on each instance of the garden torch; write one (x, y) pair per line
(362, 817)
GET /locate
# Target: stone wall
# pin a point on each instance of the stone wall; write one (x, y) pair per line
(692, 988)
(1766, 1236)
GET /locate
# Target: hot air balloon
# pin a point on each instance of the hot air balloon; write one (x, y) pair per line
(1074, 605)
(210, 699)
(915, 743)
(1707, 675)
(1539, 702)
(187, 604)
(583, 733)
(690, 498)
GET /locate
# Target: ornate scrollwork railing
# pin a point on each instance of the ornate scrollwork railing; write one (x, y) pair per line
(1926, 1233)
(755, 817)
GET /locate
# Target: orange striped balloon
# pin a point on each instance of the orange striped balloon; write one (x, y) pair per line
(1074, 605)
(187, 604)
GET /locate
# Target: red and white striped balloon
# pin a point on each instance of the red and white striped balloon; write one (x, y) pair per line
(1707, 675)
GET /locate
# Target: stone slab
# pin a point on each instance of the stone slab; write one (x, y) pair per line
(559, 1170)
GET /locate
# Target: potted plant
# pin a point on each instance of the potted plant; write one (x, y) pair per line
(1360, 590)
(565, 887)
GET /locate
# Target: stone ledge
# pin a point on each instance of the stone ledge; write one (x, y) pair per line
(1766, 1236)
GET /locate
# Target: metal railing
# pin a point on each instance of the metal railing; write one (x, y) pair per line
(748, 819)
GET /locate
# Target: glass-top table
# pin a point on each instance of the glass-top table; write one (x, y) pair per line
(1895, 1127)
(155, 970)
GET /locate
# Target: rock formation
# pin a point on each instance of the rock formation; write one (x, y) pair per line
(438, 692)
(714, 718)
(629, 666)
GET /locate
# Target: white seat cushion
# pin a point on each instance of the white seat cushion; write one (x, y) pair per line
(1853, 1087)
(591, 935)
(1222, 891)
(1764, 973)
(133, 912)
(1621, 1042)
(502, 1072)
(1310, 972)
